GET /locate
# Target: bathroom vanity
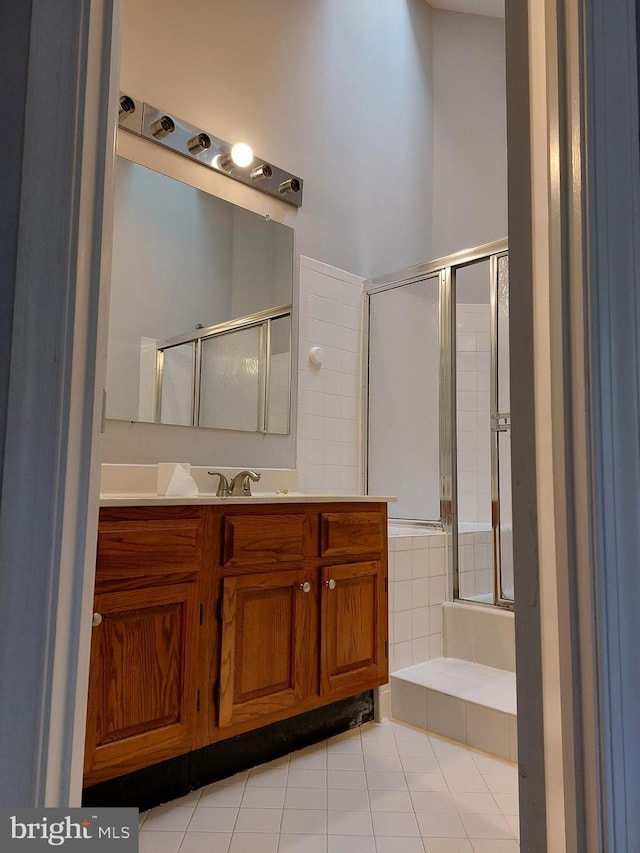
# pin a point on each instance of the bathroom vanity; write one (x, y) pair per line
(214, 618)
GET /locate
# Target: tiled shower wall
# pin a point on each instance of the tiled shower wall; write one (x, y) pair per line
(330, 454)
(329, 444)
(475, 556)
(473, 433)
(417, 588)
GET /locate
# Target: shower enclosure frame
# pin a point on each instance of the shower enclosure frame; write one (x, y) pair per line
(445, 269)
(260, 319)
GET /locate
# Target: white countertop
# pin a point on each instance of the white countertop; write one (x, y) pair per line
(204, 499)
(138, 485)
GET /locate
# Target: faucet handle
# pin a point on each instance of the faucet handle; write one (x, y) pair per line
(224, 489)
(241, 485)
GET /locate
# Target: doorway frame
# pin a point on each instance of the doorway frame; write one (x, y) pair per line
(573, 493)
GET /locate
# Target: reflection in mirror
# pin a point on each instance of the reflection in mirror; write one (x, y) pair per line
(199, 319)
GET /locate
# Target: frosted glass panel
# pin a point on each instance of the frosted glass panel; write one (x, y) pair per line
(177, 385)
(278, 402)
(506, 519)
(404, 399)
(231, 381)
(504, 398)
(504, 438)
(473, 432)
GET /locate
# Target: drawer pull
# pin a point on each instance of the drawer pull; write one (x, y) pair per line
(96, 620)
(331, 584)
(305, 587)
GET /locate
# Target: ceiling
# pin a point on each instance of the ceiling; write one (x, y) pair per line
(493, 8)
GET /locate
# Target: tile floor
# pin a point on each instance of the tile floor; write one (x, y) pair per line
(383, 788)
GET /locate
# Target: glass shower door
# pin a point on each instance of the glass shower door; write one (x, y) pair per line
(473, 436)
(484, 567)
(232, 380)
(404, 398)
(501, 498)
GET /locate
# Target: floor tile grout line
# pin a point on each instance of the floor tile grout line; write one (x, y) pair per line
(478, 771)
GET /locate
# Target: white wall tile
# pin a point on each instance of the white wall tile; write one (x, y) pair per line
(409, 702)
(487, 729)
(350, 478)
(403, 565)
(437, 559)
(420, 648)
(401, 627)
(419, 561)
(435, 619)
(419, 622)
(403, 655)
(445, 715)
(437, 590)
(402, 593)
(421, 592)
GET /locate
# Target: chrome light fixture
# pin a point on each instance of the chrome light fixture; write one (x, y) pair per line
(261, 172)
(162, 127)
(127, 106)
(199, 143)
(291, 185)
(234, 161)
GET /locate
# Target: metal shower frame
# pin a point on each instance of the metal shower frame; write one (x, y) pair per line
(445, 269)
(261, 319)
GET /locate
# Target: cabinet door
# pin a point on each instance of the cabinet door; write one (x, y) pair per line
(143, 681)
(354, 628)
(266, 658)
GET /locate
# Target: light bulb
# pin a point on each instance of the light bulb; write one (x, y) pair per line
(242, 154)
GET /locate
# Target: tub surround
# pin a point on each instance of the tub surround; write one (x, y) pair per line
(417, 589)
(479, 634)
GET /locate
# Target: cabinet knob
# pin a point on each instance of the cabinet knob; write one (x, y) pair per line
(305, 587)
(97, 619)
(331, 584)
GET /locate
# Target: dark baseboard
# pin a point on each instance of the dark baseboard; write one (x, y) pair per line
(176, 777)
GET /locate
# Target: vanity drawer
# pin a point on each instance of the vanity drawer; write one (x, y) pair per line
(255, 539)
(351, 533)
(149, 543)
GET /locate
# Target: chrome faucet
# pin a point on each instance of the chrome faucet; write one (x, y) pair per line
(241, 483)
(224, 489)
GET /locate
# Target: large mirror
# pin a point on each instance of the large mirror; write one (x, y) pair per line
(200, 309)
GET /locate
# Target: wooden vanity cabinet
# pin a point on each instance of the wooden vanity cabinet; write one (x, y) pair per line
(353, 636)
(303, 611)
(145, 649)
(268, 651)
(216, 620)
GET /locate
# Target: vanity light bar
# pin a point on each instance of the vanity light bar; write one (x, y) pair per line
(139, 117)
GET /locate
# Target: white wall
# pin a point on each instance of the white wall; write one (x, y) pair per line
(469, 132)
(392, 113)
(338, 92)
